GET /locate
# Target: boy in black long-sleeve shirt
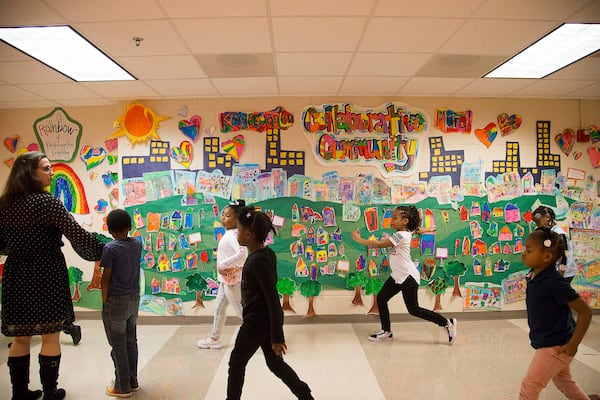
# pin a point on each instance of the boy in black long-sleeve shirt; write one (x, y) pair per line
(263, 316)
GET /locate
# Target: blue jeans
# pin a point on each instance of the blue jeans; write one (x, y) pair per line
(119, 315)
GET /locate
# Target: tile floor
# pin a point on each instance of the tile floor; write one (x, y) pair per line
(487, 362)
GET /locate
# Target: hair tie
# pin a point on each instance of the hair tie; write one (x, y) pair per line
(248, 215)
(547, 243)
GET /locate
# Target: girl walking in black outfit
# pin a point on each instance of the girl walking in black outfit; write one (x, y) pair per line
(262, 315)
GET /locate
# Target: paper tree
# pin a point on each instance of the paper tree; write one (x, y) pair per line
(310, 289)
(455, 269)
(373, 287)
(196, 283)
(356, 280)
(75, 275)
(286, 287)
(438, 287)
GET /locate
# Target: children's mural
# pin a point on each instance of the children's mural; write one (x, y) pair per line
(477, 219)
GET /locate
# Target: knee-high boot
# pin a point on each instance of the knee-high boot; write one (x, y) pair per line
(49, 366)
(19, 378)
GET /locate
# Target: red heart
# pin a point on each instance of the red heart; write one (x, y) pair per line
(11, 143)
(565, 140)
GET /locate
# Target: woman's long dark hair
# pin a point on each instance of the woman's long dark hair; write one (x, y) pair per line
(22, 179)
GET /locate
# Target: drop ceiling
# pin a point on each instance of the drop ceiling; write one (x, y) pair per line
(256, 48)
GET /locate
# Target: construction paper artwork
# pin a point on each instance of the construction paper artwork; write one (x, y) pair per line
(565, 140)
(138, 123)
(11, 143)
(67, 187)
(191, 127)
(92, 157)
(594, 154)
(450, 121)
(9, 162)
(509, 123)
(58, 134)
(183, 154)
(488, 134)
(234, 146)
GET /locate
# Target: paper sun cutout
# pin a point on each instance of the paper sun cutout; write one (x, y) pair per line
(138, 123)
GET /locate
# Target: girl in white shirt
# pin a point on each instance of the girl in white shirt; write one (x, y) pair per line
(230, 260)
(405, 276)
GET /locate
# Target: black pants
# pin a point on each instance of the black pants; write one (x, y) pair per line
(409, 290)
(251, 336)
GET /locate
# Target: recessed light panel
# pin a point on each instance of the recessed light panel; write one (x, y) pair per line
(66, 51)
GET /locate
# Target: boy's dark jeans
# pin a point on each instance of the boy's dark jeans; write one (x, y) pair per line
(119, 315)
(251, 336)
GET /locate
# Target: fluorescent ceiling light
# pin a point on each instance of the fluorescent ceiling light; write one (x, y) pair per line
(66, 51)
(563, 46)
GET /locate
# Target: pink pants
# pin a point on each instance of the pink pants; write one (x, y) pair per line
(547, 364)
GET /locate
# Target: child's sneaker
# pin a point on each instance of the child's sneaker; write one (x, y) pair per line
(381, 335)
(451, 329)
(111, 391)
(209, 343)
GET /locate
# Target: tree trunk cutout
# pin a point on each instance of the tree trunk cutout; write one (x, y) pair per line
(96, 282)
(438, 303)
(76, 294)
(456, 292)
(311, 309)
(374, 310)
(286, 306)
(357, 300)
(199, 302)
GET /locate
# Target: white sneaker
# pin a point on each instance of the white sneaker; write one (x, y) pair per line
(209, 343)
(451, 329)
(381, 335)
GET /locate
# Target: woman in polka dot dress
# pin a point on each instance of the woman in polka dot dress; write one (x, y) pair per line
(36, 299)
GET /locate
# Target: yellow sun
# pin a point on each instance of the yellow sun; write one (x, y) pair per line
(138, 123)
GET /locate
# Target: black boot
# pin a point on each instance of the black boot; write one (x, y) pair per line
(49, 366)
(19, 377)
(75, 332)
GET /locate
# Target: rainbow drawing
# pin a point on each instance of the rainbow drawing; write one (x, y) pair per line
(67, 187)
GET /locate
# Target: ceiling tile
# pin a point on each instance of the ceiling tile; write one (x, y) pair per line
(588, 92)
(408, 35)
(426, 8)
(316, 85)
(459, 66)
(122, 90)
(30, 104)
(306, 64)
(9, 53)
(320, 7)
(28, 12)
(433, 86)
(551, 88)
(61, 91)
(212, 9)
(487, 87)
(259, 86)
(107, 10)
(226, 35)
(588, 68)
(116, 38)
(14, 93)
(236, 65)
(183, 87)
(496, 37)
(100, 102)
(163, 67)
(390, 64)
(359, 85)
(23, 72)
(590, 13)
(338, 34)
(529, 10)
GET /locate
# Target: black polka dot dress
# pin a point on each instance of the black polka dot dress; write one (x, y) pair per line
(36, 299)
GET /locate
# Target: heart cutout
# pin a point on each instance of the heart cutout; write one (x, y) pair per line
(182, 112)
(33, 147)
(92, 156)
(191, 127)
(565, 140)
(11, 143)
(488, 134)
(9, 162)
(234, 146)
(509, 123)
(183, 154)
(577, 155)
(210, 131)
(111, 144)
